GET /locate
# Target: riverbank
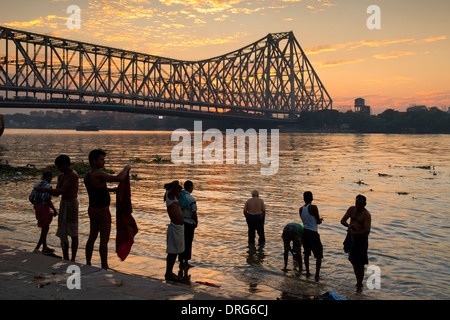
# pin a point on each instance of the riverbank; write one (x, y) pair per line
(427, 121)
(25, 275)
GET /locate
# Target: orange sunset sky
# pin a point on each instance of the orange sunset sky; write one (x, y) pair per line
(405, 62)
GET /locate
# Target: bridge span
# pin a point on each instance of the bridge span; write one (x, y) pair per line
(268, 80)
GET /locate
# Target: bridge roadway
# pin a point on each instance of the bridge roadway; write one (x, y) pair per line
(161, 111)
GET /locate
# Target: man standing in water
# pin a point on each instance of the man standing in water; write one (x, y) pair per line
(68, 212)
(188, 206)
(359, 229)
(309, 214)
(255, 214)
(99, 201)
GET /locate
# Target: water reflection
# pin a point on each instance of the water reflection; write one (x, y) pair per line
(255, 254)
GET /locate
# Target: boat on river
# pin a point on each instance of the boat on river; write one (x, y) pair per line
(87, 127)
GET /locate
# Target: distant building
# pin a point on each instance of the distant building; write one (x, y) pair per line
(51, 114)
(360, 106)
(37, 114)
(416, 108)
(66, 113)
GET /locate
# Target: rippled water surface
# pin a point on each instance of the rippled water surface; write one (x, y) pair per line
(405, 178)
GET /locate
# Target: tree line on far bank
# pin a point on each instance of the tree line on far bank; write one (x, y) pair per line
(432, 120)
(428, 121)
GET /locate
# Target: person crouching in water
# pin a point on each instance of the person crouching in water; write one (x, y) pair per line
(175, 230)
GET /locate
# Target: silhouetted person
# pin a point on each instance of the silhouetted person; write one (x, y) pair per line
(68, 212)
(292, 232)
(188, 206)
(255, 214)
(99, 202)
(175, 230)
(309, 214)
(358, 229)
(42, 203)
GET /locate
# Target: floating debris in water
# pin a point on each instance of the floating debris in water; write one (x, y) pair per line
(384, 175)
(138, 160)
(423, 167)
(6, 228)
(159, 159)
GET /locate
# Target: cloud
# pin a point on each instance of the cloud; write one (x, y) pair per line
(161, 25)
(353, 45)
(327, 48)
(432, 39)
(394, 55)
(121, 10)
(439, 96)
(319, 5)
(238, 6)
(339, 63)
(389, 81)
(50, 21)
(379, 43)
(204, 6)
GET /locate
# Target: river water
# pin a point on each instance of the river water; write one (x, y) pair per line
(405, 178)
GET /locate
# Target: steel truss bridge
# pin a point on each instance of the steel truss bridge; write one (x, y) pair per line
(270, 79)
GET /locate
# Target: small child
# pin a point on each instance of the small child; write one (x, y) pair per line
(42, 204)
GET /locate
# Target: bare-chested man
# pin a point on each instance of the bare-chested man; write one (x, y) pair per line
(360, 223)
(67, 186)
(99, 202)
(175, 230)
(255, 215)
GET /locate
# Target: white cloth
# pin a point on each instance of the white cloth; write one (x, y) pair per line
(309, 221)
(175, 238)
(168, 201)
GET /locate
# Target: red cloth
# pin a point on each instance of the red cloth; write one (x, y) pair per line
(125, 224)
(99, 216)
(43, 215)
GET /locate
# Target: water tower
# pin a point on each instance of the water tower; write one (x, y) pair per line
(360, 106)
